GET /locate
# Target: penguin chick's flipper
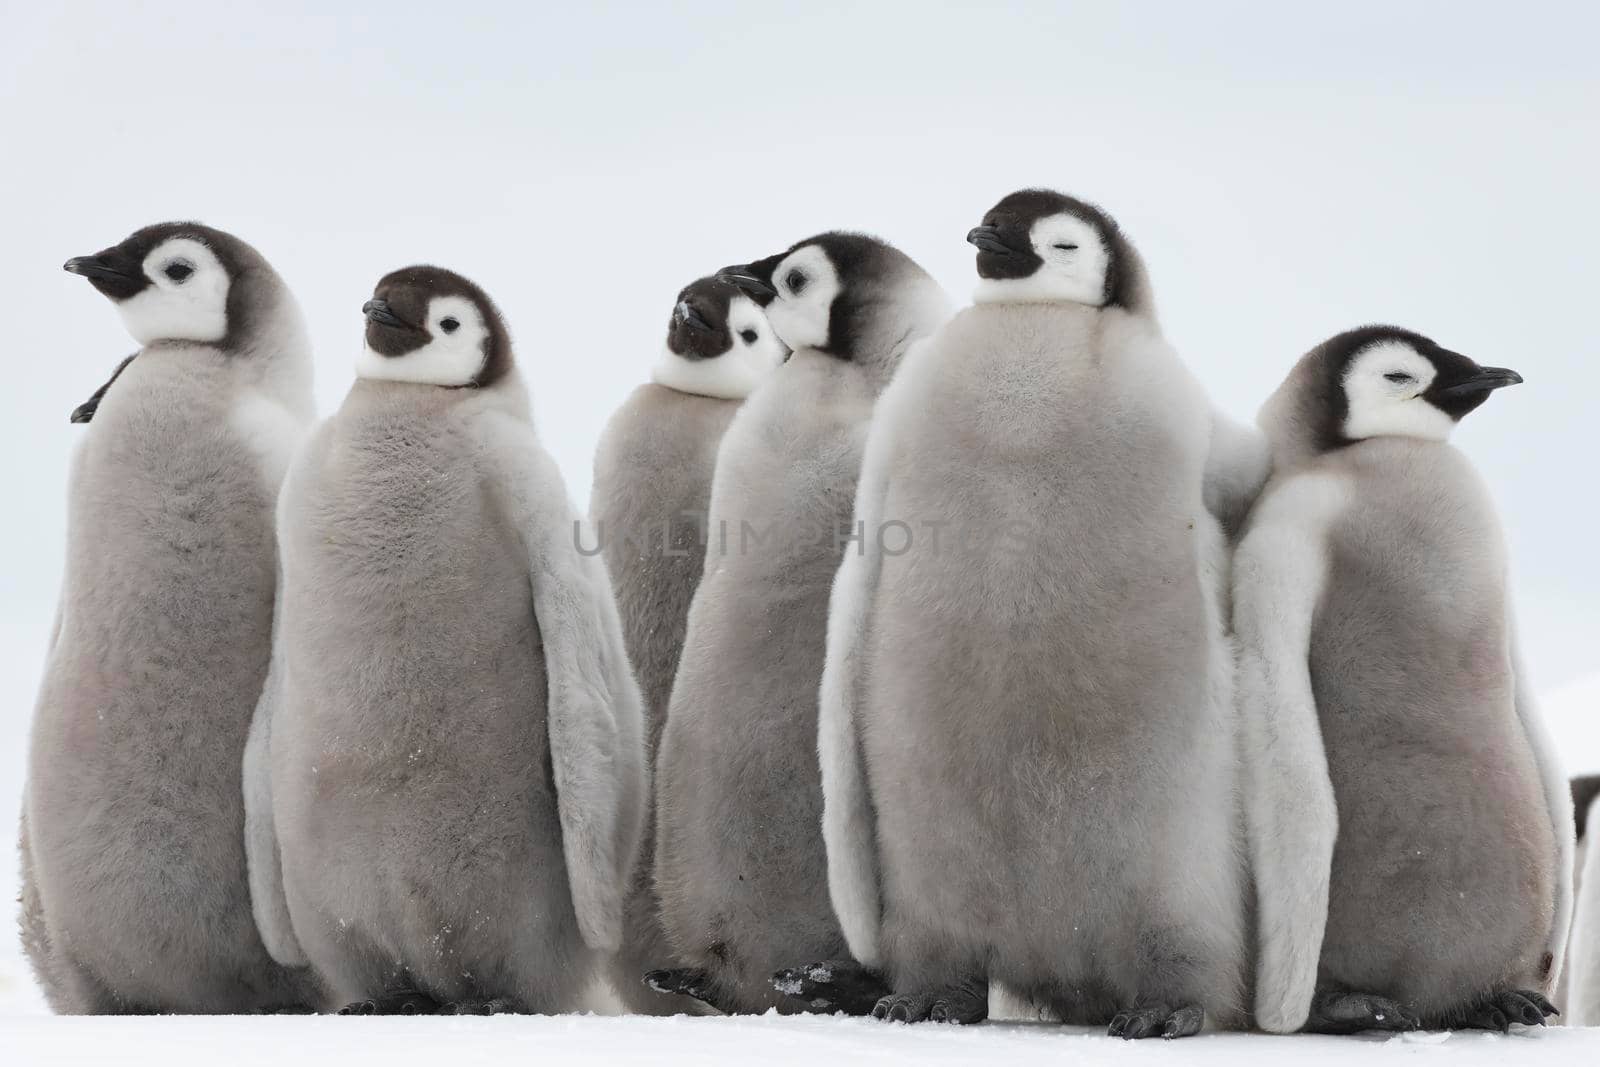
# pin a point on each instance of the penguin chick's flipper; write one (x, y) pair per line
(1350, 1013)
(833, 986)
(967, 1002)
(84, 412)
(394, 1002)
(1498, 1011)
(1157, 1021)
(687, 981)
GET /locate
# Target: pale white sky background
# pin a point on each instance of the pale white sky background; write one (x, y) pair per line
(1287, 170)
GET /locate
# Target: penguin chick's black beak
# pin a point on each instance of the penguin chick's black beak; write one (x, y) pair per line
(1485, 380)
(748, 282)
(378, 311)
(99, 266)
(692, 318)
(987, 239)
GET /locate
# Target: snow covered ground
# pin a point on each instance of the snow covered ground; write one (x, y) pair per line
(771, 1040)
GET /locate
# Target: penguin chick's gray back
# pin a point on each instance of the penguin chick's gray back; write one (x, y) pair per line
(652, 487)
(1373, 559)
(739, 857)
(449, 800)
(1025, 730)
(162, 640)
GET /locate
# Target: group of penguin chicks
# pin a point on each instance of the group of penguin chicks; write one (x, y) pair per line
(902, 653)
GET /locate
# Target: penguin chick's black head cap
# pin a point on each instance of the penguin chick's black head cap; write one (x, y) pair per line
(1005, 245)
(699, 326)
(397, 317)
(118, 273)
(1459, 387)
(866, 267)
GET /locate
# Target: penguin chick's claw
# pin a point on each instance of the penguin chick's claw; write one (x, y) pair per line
(1351, 1013)
(833, 986)
(960, 1005)
(1499, 1010)
(685, 981)
(394, 1002)
(1139, 1023)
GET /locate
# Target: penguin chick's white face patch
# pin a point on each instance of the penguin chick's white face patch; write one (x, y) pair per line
(187, 298)
(452, 355)
(1073, 260)
(807, 284)
(1384, 389)
(734, 374)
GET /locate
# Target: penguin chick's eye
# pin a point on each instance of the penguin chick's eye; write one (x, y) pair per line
(747, 336)
(1399, 376)
(796, 281)
(178, 271)
(1067, 247)
(449, 325)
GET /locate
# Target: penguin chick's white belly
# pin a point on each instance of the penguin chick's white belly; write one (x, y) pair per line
(417, 818)
(1443, 882)
(1048, 762)
(134, 803)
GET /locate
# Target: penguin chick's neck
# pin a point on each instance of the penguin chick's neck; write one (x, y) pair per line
(917, 308)
(733, 375)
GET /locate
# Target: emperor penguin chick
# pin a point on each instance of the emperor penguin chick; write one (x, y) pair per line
(1580, 982)
(1026, 723)
(1410, 831)
(446, 772)
(133, 864)
(739, 855)
(652, 485)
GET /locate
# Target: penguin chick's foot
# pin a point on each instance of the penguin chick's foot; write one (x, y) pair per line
(1157, 1021)
(686, 981)
(964, 1003)
(394, 1002)
(491, 1006)
(1498, 1011)
(1334, 1012)
(833, 986)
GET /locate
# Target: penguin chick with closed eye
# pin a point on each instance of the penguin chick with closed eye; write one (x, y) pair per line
(1579, 994)
(1026, 727)
(445, 777)
(652, 485)
(740, 868)
(1410, 831)
(135, 897)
